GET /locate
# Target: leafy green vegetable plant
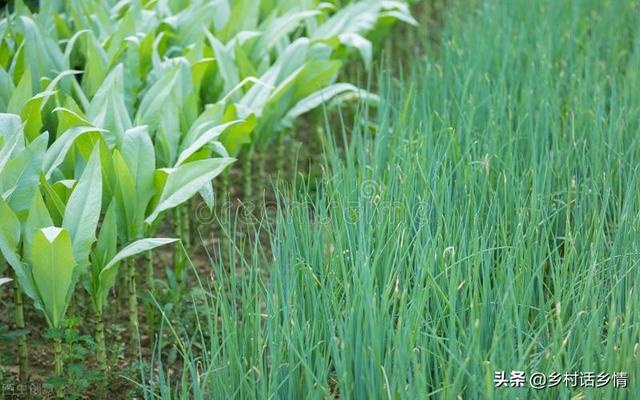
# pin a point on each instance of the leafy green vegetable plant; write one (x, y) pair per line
(114, 114)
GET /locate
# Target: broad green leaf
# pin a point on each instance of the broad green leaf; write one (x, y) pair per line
(108, 109)
(160, 177)
(108, 274)
(40, 50)
(244, 64)
(226, 64)
(205, 138)
(137, 150)
(164, 110)
(52, 266)
(6, 89)
(69, 116)
(185, 181)
(289, 63)
(32, 114)
(198, 71)
(105, 250)
(37, 218)
(19, 167)
(10, 127)
(55, 204)
(85, 145)
(5, 54)
(57, 152)
(189, 23)
(237, 135)
(211, 116)
(359, 43)
(360, 96)
(18, 67)
(398, 10)
(62, 28)
(106, 245)
(168, 136)
(64, 189)
(83, 209)
(9, 241)
(46, 13)
(321, 51)
(29, 177)
(12, 137)
(280, 28)
(316, 99)
(315, 76)
(138, 247)
(172, 88)
(125, 28)
(129, 217)
(21, 95)
(9, 230)
(244, 16)
(33, 111)
(207, 194)
(70, 46)
(109, 178)
(358, 17)
(133, 72)
(96, 67)
(159, 47)
(222, 14)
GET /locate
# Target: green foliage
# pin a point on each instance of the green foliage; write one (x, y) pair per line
(52, 266)
(78, 349)
(114, 113)
(107, 275)
(486, 220)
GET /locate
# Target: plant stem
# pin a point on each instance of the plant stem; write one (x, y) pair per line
(178, 257)
(101, 355)
(122, 291)
(223, 207)
(22, 339)
(262, 173)
(151, 287)
(224, 186)
(186, 212)
(57, 356)
(225, 236)
(280, 154)
(100, 343)
(133, 305)
(319, 141)
(194, 223)
(247, 178)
